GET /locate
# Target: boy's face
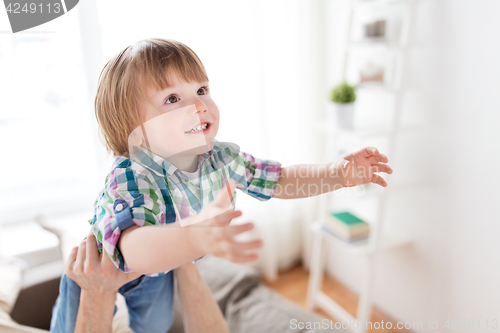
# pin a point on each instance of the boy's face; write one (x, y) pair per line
(185, 122)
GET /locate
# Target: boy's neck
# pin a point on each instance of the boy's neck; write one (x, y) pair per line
(188, 163)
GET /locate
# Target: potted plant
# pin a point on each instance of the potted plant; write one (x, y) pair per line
(343, 97)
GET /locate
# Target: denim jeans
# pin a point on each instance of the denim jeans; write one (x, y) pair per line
(149, 302)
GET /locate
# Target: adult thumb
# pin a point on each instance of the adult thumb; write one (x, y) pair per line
(226, 196)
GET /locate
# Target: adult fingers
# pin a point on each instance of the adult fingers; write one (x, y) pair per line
(106, 261)
(92, 251)
(80, 256)
(71, 260)
(376, 179)
(109, 266)
(382, 168)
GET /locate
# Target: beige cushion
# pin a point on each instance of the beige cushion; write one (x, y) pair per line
(11, 276)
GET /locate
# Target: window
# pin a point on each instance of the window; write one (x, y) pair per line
(48, 162)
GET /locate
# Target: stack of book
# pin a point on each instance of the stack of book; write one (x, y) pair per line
(346, 226)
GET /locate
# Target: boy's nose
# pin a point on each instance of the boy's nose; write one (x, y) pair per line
(200, 106)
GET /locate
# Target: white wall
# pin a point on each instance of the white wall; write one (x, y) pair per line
(468, 65)
(451, 270)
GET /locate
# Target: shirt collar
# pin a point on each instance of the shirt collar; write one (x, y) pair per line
(158, 164)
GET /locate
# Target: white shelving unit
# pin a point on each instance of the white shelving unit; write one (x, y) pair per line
(379, 239)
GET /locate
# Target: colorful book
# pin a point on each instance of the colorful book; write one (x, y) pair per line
(347, 226)
(350, 240)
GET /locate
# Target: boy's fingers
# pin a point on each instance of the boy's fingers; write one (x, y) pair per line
(382, 168)
(369, 151)
(243, 258)
(226, 196)
(376, 179)
(373, 155)
(245, 246)
(223, 219)
(238, 229)
(378, 159)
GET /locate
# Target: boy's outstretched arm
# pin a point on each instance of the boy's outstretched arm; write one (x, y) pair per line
(160, 248)
(358, 168)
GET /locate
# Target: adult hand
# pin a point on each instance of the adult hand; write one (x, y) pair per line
(94, 272)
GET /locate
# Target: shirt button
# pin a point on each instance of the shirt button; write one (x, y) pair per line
(119, 207)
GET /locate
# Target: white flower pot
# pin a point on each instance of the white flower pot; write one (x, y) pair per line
(342, 115)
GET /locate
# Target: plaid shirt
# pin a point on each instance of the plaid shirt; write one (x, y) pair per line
(149, 190)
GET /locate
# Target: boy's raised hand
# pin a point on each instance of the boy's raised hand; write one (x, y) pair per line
(213, 234)
(361, 167)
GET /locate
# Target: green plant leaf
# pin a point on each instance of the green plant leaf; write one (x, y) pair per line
(343, 93)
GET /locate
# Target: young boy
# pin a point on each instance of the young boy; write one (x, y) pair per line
(157, 117)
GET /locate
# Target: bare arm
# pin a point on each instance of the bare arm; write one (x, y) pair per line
(137, 244)
(211, 234)
(99, 281)
(95, 313)
(306, 180)
(200, 312)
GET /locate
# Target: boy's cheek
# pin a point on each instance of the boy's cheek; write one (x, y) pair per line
(166, 133)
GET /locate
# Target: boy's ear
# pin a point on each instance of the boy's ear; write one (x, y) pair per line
(135, 138)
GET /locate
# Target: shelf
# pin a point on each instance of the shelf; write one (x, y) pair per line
(377, 3)
(375, 42)
(373, 86)
(363, 247)
(325, 127)
(360, 133)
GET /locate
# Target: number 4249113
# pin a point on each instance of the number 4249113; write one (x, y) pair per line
(15, 8)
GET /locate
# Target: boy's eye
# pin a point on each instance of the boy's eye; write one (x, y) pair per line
(172, 99)
(203, 91)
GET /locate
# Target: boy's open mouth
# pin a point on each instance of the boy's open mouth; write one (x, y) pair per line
(203, 127)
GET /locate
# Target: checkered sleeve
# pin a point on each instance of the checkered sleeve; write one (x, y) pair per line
(256, 177)
(129, 198)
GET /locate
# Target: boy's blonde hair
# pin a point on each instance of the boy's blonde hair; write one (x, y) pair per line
(126, 78)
